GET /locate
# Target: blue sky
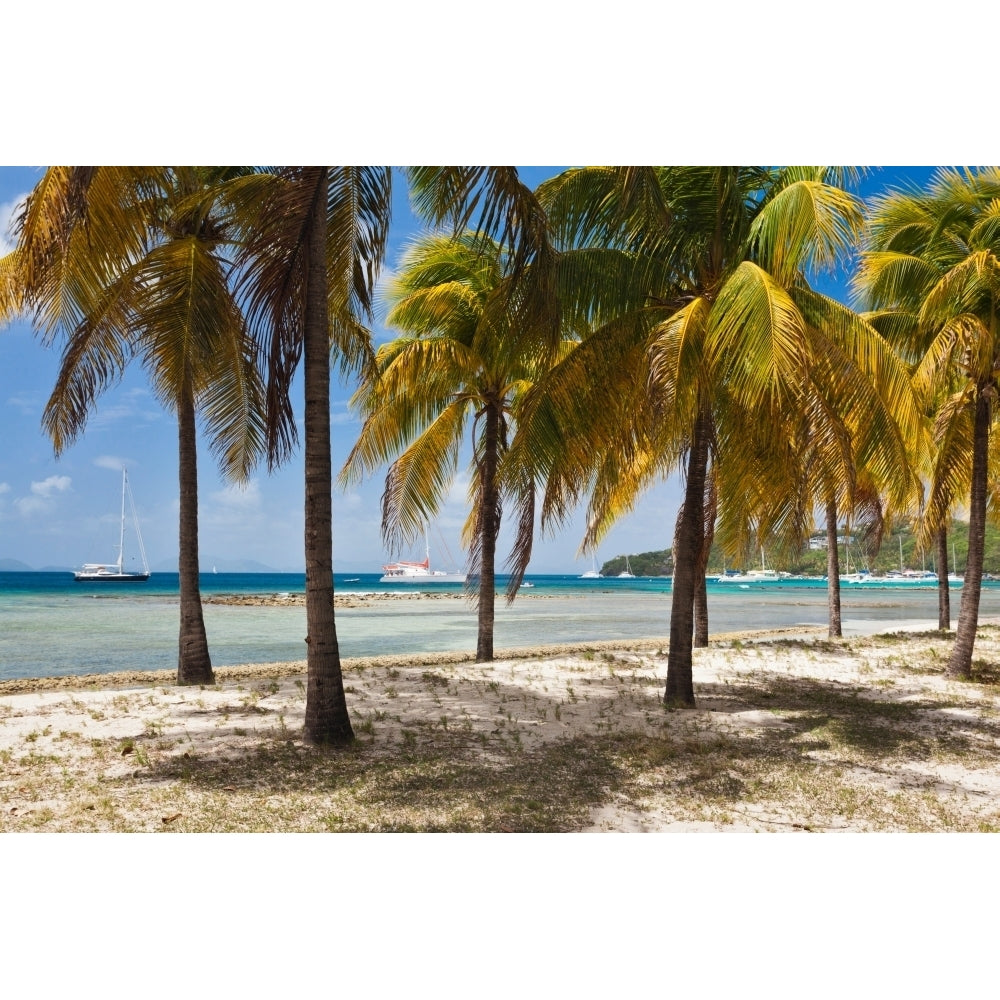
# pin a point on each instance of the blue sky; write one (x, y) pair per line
(62, 512)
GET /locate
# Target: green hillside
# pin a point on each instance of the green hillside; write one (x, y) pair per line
(644, 564)
(813, 562)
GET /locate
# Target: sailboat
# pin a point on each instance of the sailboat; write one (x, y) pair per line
(418, 572)
(762, 575)
(592, 573)
(627, 571)
(115, 572)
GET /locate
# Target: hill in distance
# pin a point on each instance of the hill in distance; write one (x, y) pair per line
(899, 550)
(14, 566)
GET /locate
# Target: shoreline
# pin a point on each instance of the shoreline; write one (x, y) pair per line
(286, 668)
(54, 635)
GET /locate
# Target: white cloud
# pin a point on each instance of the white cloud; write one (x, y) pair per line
(104, 416)
(133, 405)
(238, 498)
(42, 494)
(31, 505)
(110, 462)
(28, 403)
(458, 493)
(54, 484)
(8, 212)
(343, 418)
(4, 488)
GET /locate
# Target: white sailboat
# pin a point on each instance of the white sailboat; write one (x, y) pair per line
(418, 572)
(115, 572)
(592, 573)
(627, 573)
(762, 575)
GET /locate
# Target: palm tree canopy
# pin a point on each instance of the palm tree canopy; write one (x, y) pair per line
(133, 264)
(461, 356)
(719, 307)
(272, 210)
(930, 274)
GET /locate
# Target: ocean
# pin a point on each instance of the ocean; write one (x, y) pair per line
(50, 625)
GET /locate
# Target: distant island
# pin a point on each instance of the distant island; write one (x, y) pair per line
(643, 564)
(899, 546)
(14, 566)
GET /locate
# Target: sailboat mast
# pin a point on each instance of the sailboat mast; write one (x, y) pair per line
(121, 536)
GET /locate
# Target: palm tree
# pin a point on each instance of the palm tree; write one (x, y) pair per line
(465, 359)
(313, 242)
(933, 257)
(729, 336)
(131, 264)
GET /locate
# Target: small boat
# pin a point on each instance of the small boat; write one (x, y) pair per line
(592, 573)
(753, 576)
(626, 573)
(527, 583)
(762, 575)
(115, 572)
(910, 578)
(418, 572)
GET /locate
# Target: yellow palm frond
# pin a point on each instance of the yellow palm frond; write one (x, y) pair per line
(805, 226)
(418, 481)
(756, 338)
(948, 351)
(676, 349)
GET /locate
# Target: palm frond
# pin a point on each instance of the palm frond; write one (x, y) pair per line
(418, 481)
(805, 226)
(756, 338)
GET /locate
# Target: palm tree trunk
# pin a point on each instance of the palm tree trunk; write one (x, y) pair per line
(711, 509)
(687, 551)
(835, 630)
(194, 665)
(960, 664)
(701, 598)
(327, 720)
(489, 528)
(700, 611)
(944, 594)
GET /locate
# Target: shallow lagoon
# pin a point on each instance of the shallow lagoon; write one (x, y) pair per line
(51, 626)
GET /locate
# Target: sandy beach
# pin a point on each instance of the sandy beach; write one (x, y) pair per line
(792, 732)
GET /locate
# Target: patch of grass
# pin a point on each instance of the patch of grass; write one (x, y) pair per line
(985, 672)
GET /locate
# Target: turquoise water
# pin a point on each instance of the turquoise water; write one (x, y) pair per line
(51, 625)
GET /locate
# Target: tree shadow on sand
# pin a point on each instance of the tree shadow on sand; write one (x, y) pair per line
(779, 746)
(448, 783)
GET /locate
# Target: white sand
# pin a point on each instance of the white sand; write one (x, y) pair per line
(110, 747)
